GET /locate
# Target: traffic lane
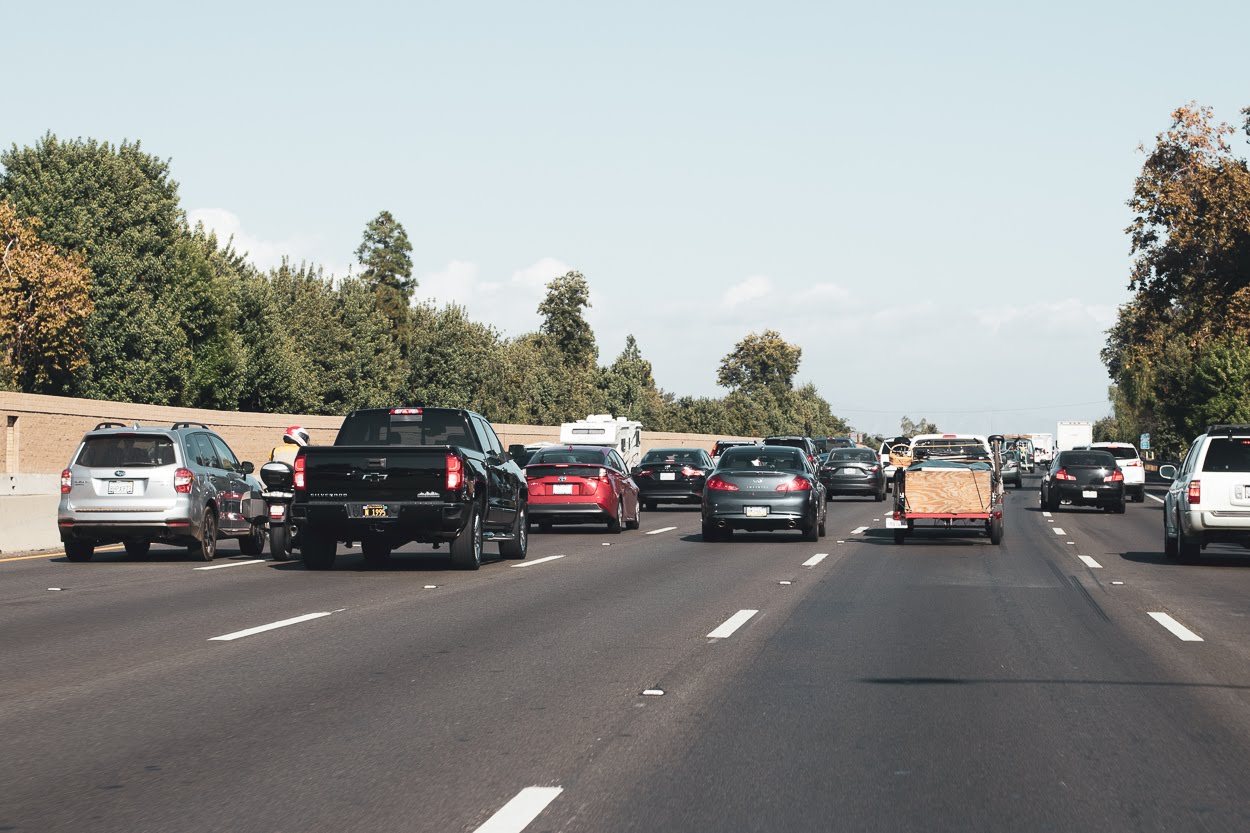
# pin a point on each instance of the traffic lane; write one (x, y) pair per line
(423, 713)
(941, 687)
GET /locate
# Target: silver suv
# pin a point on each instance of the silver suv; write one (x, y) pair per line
(1208, 500)
(177, 485)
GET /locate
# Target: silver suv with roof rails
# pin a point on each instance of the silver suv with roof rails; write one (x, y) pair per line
(139, 484)
(1208, 500)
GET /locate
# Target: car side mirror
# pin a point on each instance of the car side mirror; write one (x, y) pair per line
(247, 468)
(1167, 472)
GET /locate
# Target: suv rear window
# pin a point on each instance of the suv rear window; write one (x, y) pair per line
(1227, 454)
(124, 450)
(1123, 452)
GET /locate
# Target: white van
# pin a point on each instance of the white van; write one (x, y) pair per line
(623, 434)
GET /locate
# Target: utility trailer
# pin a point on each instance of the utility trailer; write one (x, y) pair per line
(949, 481)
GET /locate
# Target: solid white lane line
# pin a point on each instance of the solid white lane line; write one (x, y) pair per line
(1089, 562)
(1045, 514)
(262, 628)
(538, 561)
(859, 529)
(517, 814)
(1181, 632)
(230, 564)
(732, 624)
(815, 559)
(1058, 530)
(661, 529)
(1156, 499)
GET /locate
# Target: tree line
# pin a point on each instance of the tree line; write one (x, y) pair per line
(1179, 353)
(107, 292)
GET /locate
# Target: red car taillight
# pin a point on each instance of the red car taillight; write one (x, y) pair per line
(65, 481)
(455, 472)
(644, 472)
(691, 472)
(299, 473)
(1195, 491)
(1062, 474)
(719, 484)
(1115, 477)
(798, 484)
(182, 481)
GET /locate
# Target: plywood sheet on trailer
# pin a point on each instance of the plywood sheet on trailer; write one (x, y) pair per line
(947, 490)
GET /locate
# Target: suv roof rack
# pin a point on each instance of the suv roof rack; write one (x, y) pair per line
(178, 425)
(112, 424)
(1228, 429)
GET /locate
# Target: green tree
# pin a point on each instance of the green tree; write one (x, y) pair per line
(922, 426)
(384, 252)
(763, 362)
(454, 361)
(564, 325)
(628, 387)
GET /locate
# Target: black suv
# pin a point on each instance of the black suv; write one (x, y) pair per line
(804, 444)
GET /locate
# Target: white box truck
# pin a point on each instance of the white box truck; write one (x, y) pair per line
(1070, 433)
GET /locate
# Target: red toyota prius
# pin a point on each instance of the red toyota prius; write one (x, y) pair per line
(581, 484)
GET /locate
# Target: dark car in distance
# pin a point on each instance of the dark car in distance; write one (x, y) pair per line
(1083, 478)
(766, 488)
(671, 475)
(854, 471)
(804, 444)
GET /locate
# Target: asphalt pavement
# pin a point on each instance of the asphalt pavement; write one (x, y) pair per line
(1069, 679)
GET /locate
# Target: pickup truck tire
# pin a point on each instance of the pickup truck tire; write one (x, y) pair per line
(254, 542)
(518, 547)
(466, 549)
(317, 553)
(614, 524)
(376, 551)
(206, 547)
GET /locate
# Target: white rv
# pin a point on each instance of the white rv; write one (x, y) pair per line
(603, 429)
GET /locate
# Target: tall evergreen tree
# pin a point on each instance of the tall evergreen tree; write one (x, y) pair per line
(384, 254)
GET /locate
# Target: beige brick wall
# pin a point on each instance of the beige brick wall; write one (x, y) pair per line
(43, 431)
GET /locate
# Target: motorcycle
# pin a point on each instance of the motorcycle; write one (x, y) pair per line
(279, 494)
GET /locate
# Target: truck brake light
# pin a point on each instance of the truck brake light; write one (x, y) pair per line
(455, 472)
(405, 411)
(299, 473)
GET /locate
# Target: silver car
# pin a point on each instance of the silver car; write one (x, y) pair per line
(176, 485)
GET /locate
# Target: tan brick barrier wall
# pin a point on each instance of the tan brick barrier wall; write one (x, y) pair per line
(41, 432)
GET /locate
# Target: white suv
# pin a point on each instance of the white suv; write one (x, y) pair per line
(1129, 461)
(1209, 498)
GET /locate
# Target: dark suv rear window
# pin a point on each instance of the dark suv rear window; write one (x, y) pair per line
(1095, 459)
(1227, 454)
(122, 450)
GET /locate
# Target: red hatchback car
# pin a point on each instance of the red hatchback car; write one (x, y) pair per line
(581, 484)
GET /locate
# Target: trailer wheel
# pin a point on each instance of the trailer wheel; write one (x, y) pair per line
(996, 530)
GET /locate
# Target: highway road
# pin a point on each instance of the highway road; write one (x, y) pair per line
(1069, 679)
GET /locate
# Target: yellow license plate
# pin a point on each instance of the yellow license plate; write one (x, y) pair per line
(374, 511)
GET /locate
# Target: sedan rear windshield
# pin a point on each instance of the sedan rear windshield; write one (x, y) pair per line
(1227, 454)
(588, 457)
(766, 460)
(673, 455)
(843, 455)
(127, 451)
(1095, 459)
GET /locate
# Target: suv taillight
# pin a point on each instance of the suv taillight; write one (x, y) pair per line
(299, 472)
(66, 479)
(182, 481)
(1195, 491)
(455, 472)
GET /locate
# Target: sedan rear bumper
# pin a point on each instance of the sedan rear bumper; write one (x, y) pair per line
(1103, 494)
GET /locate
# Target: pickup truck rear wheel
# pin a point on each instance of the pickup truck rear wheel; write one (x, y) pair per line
(466, 549)
(317, 553)
(518, 547)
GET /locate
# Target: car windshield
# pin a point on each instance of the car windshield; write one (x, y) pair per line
(575, 456)
(853, 455)
(1096, 459)
(765, 459)
(121, 450)
(1227, 454)
(672, 455)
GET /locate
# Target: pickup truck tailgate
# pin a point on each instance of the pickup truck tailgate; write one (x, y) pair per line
(365, 474)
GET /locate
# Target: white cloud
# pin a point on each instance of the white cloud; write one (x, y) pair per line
(511, 305)
(264, 254)
(756, 286)
(536, 277)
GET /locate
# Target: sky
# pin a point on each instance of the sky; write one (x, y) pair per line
(928, 199)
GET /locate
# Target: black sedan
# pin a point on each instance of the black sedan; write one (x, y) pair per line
(672, 475)
(765, 488)
(854, 471)
(1083, 478)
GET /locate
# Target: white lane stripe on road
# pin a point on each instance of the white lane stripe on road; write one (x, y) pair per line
(517, 814)
(732, 624)
(1058, 530)
(1181, 632)
(538, 561)
(815, 559)
(857, 530)
(1045, 514)
(1089, 562)
(661, 529)
(230, 564)
(1157, 499)
(262, 628)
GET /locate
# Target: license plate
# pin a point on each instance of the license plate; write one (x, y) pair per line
(121, 487)
(668, 475)
(845, 472)
(375, 510)
(1088, 493)
(755, 511)
(890, 523)
(562, 489)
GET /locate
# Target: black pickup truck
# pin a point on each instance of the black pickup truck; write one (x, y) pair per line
(395, 475)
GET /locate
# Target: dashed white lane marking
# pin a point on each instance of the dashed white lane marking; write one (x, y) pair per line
(815, 559)
(732, 624)
(230, 564)
(538, 561)
(1045, 514)
(661, 529)
(1181, 632)
(517, 814)
(1058, 530)
(1089, 562)
(857, 530)
(262, 628)
(1156, 499)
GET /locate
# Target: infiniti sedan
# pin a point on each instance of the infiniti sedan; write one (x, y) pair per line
(763, 488)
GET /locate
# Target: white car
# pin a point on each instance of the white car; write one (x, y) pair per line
(885, 457)
(1208, 500)
(1130, 463)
